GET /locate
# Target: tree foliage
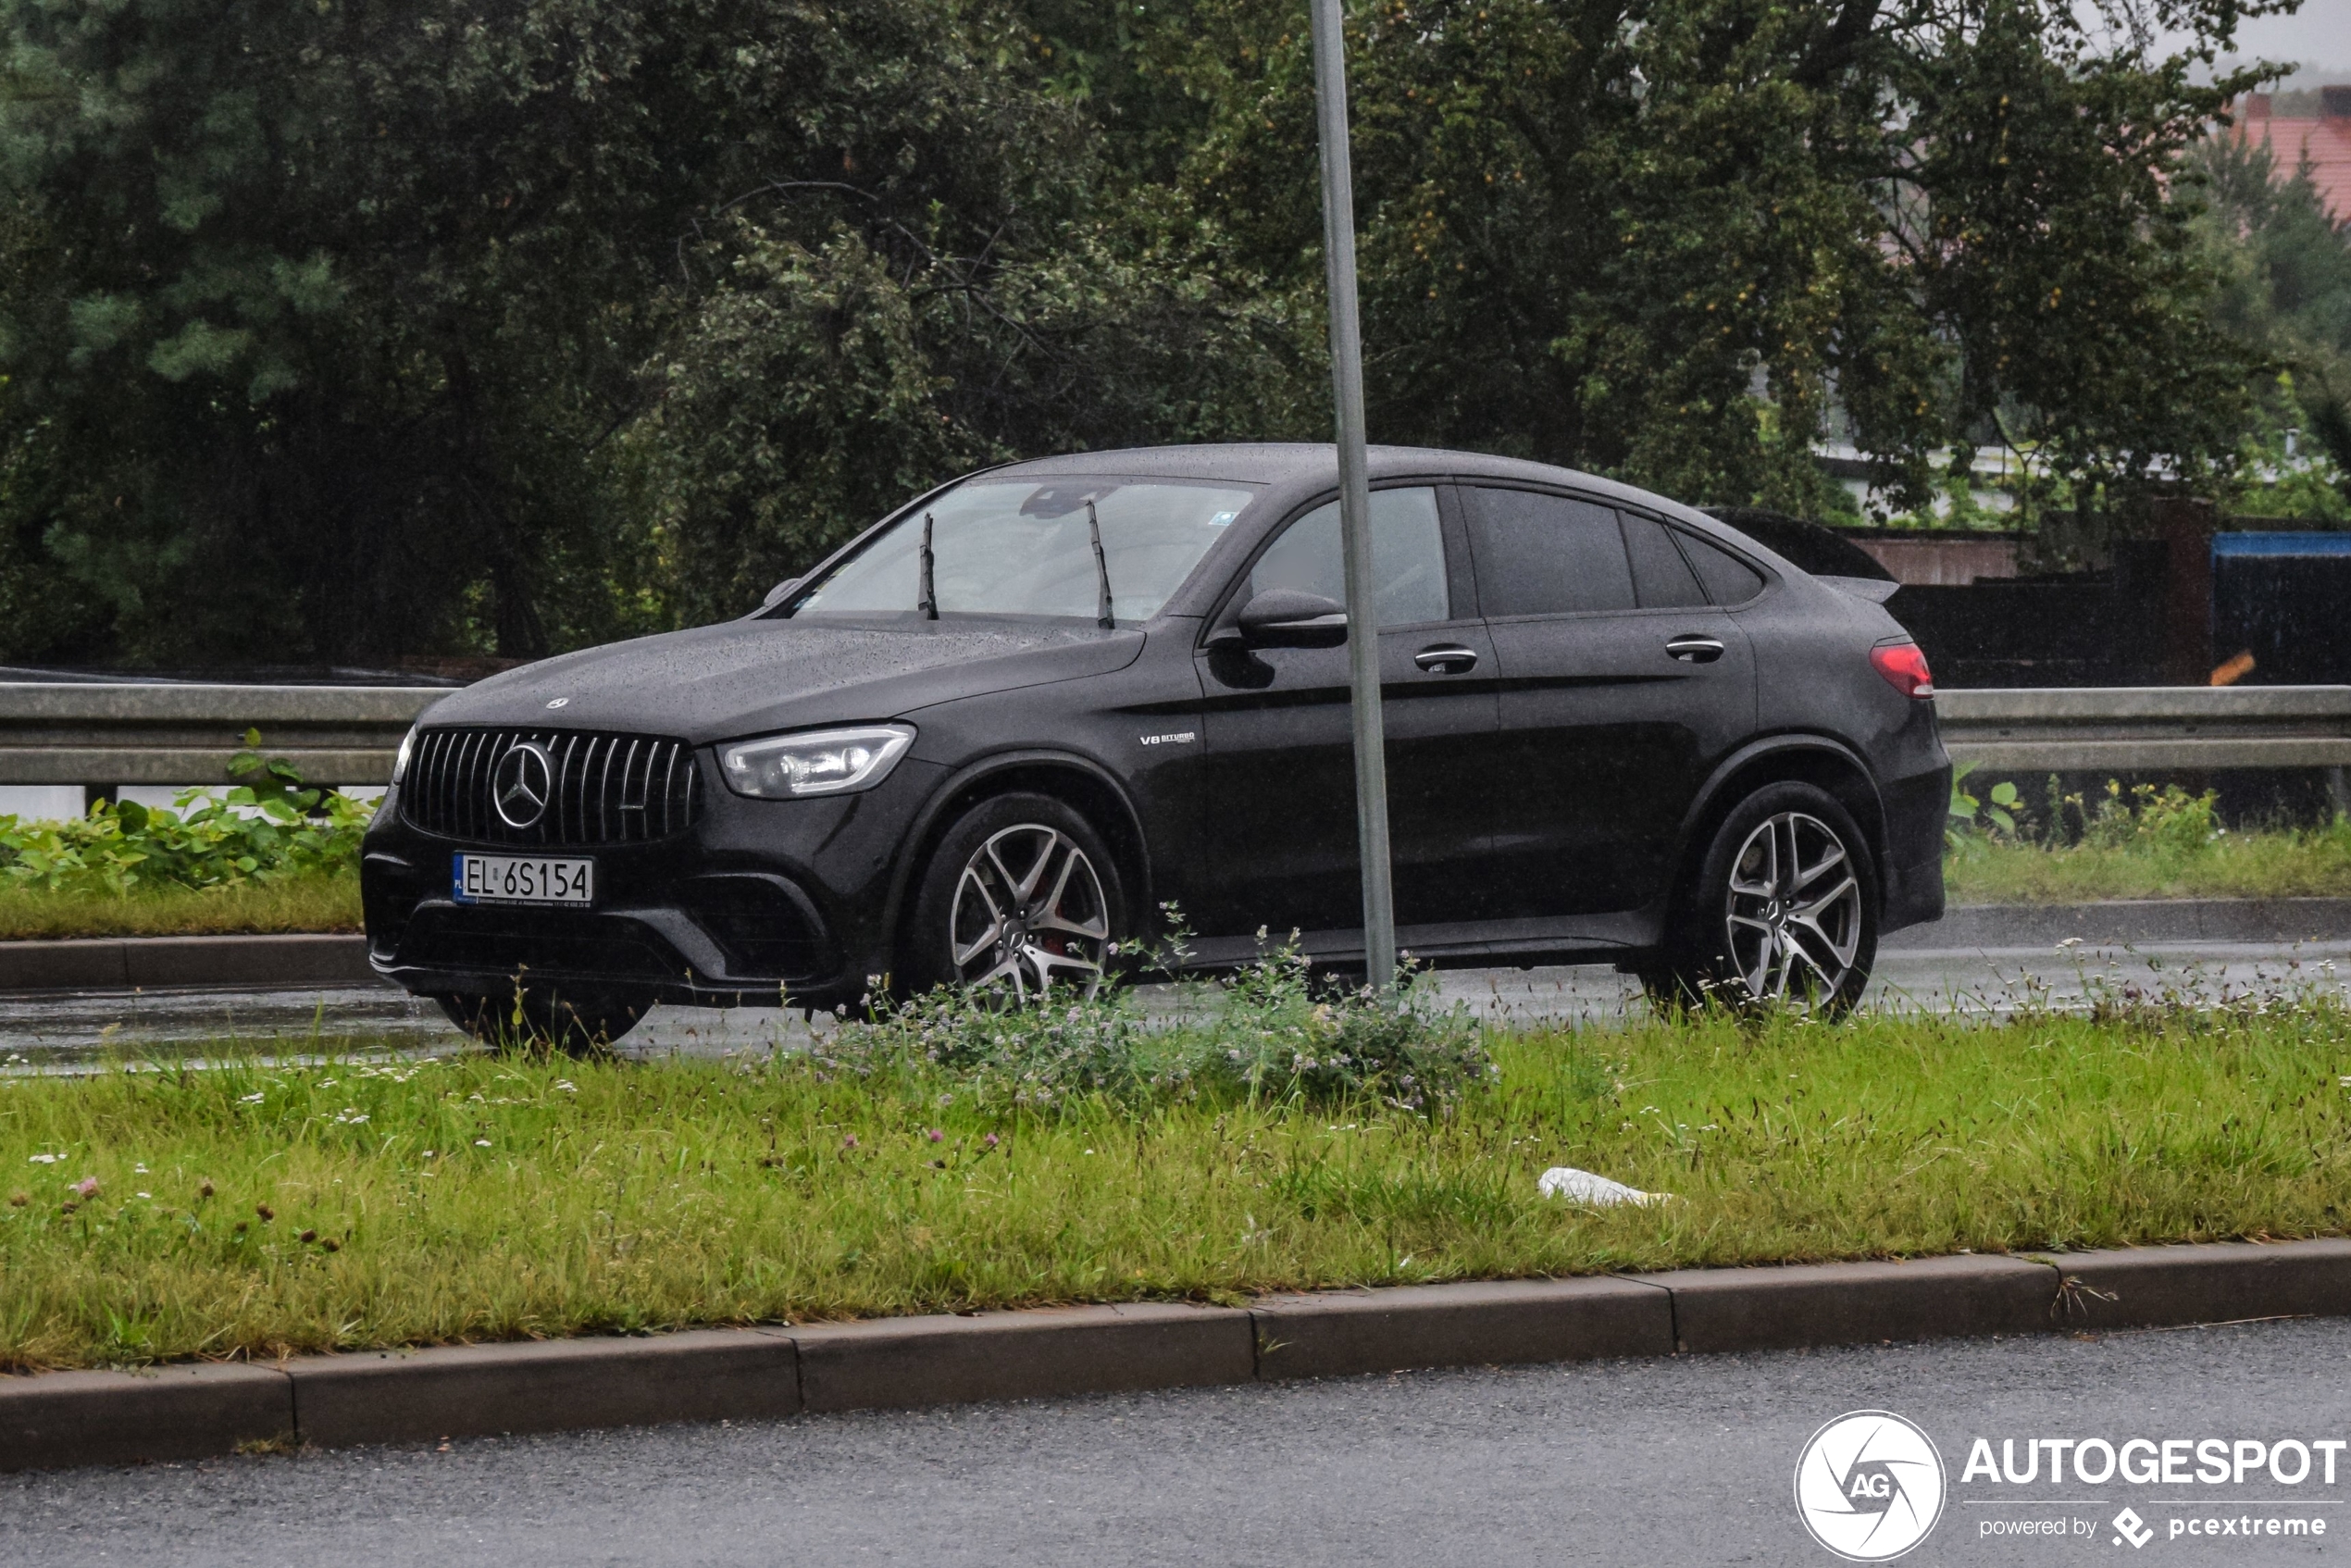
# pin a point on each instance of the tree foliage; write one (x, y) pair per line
(1684, 240)
(2285, 265)
(345, 329)
(352, 328)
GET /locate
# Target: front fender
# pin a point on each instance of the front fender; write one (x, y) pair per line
(964, 783)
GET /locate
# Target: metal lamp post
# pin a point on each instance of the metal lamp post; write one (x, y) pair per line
(1354, 495)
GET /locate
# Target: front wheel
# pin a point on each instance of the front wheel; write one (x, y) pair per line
(1022, 896)
(1783, 911)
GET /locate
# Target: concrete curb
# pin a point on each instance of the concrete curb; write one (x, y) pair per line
(541, 1385)
(248, 963)
(1785, 1309)
(2146, 1287)
(61, 1419)
(64, 1418)
(943, 1360)
(1493, 1323)
(1968, 927)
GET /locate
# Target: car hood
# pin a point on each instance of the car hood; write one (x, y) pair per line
(743, 678)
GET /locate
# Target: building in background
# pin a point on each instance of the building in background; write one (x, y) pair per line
(2323, 138)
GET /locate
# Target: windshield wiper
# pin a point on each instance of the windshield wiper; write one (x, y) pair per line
(927, 597)
(1102, 572)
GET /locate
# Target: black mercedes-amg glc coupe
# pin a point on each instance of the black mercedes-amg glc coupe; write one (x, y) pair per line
(990, 740)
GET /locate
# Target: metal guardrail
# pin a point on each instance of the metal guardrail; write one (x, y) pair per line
(109, 735)
(106, 735)
(2148, 729)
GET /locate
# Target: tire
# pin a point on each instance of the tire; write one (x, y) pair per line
(574, 1022)
(1022, 892)
(1783, 911)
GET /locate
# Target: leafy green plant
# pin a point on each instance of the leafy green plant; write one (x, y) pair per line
(1404, 1051)
(1999, 815)
(2144, 817)
(1269, 1035)
(269, 828)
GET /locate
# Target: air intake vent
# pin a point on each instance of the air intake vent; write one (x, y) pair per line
(586, 788)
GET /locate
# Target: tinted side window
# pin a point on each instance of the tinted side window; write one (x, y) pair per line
(1546, 555)
(1660, 577)
(1728, 580)
(1408, 557)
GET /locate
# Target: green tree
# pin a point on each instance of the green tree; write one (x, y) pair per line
(837, 363)
(1678, 242)
(2285, 265)
(344, 329)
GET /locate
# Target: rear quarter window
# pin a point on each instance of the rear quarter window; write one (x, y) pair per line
(1728, 580)
(1661, 575)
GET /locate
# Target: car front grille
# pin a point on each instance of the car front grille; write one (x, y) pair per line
(603, 788)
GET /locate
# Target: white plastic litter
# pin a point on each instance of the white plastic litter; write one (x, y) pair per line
(1583, 1187)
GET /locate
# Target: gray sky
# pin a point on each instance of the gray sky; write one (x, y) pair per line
(2319, 35)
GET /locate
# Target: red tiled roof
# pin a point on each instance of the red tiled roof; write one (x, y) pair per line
(2326, 139)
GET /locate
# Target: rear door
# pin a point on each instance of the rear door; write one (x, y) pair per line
(1279, 806)
(1623, 682)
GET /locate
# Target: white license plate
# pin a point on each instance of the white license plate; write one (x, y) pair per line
(513, 878)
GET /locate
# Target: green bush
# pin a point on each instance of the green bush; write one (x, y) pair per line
(2146, 818)
(286, 829)
(1266, 1037)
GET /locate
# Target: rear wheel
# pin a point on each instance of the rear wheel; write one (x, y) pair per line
(1783, 911)
(1022, 896)
(577, 1023)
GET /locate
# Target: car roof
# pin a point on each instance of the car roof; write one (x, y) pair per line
(1286, 463)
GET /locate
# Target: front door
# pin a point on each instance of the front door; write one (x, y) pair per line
(1279, 810)
(1623, 682)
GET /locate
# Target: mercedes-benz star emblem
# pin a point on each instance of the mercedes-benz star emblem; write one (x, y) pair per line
(519, 788)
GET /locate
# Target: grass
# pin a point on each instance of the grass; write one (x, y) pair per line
(298, 903)
(255, 1210)
(2293, 864)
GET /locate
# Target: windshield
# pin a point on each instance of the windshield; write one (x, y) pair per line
(1009, 547)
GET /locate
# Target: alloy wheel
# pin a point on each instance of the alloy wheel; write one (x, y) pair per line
(1028, 913)
(1793, 915)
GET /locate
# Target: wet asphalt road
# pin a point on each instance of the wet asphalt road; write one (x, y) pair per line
(49, 1031)
(1688, 1460)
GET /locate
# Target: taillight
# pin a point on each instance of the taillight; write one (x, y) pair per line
(1904, 667)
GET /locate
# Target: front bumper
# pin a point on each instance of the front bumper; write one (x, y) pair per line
(760, 902)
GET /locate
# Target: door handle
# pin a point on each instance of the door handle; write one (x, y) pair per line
(1447, 658)
(1695, 650)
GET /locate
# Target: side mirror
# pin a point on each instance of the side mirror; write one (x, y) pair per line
(1284, 617)
(780, 593)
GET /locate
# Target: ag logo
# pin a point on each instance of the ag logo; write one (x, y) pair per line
(1868, 1485)
(521, 783)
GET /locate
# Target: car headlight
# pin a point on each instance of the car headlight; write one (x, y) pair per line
(814, 761)
(400, 763)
